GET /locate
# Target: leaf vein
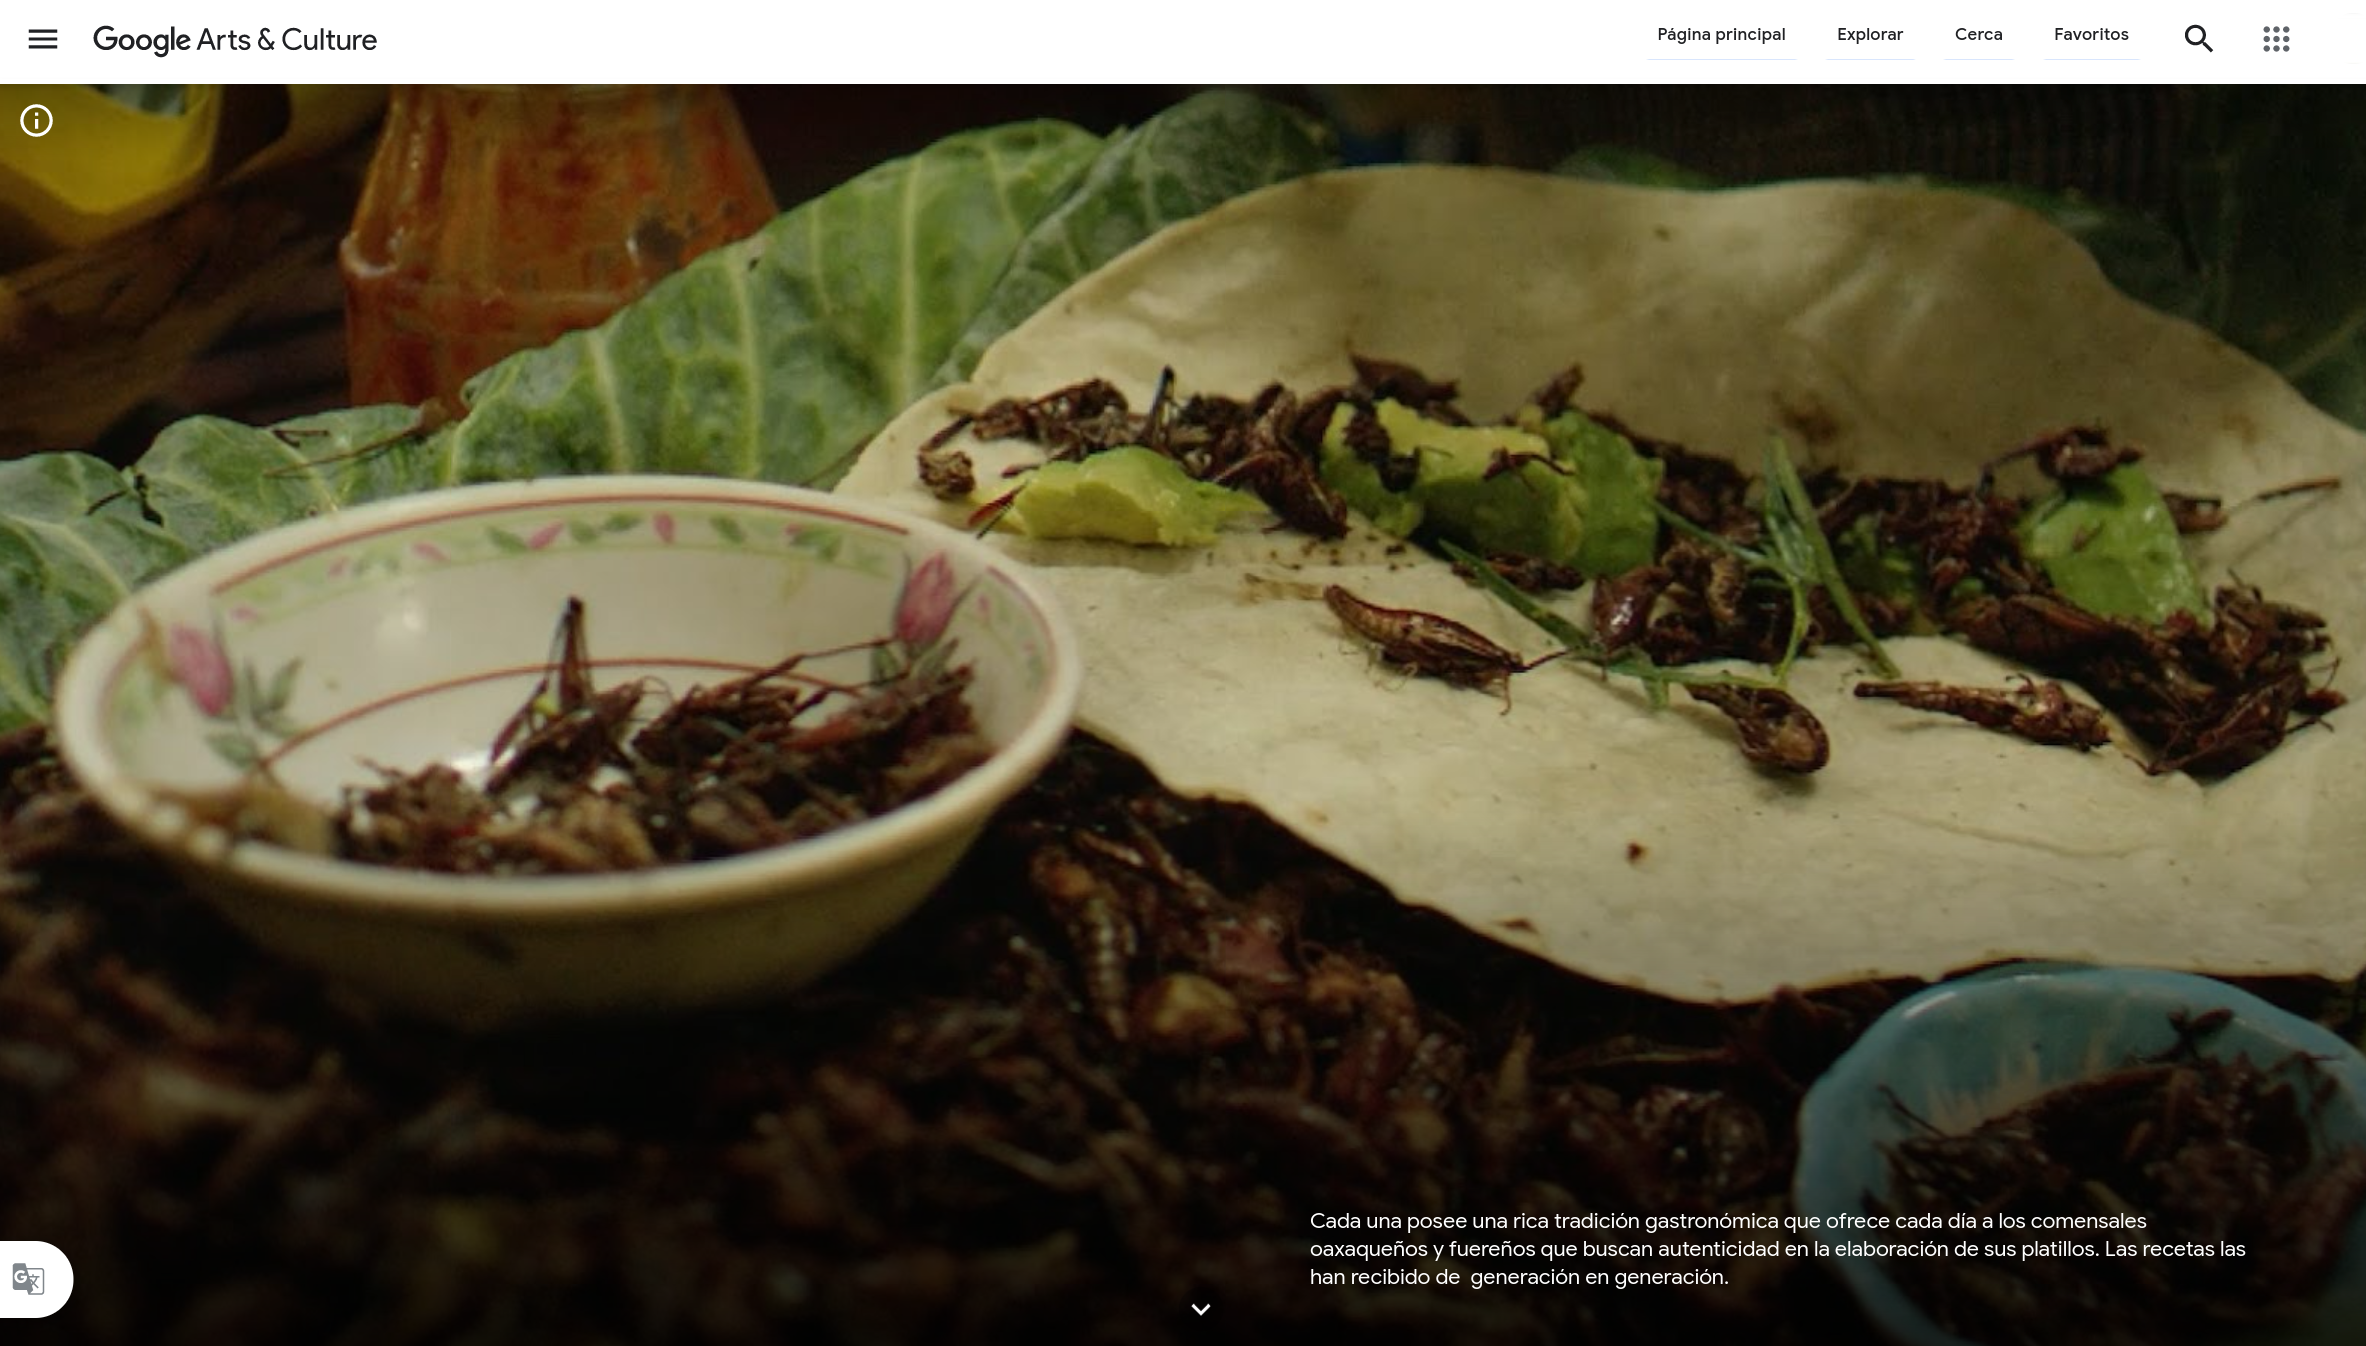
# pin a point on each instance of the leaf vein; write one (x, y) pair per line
(604, 381)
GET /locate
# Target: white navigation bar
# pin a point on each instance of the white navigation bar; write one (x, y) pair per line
(2200, 43)
(1208, 41)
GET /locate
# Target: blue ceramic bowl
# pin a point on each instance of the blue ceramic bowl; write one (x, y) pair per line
(1965, 1051)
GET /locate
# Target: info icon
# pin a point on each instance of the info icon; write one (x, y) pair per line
(2275, 37)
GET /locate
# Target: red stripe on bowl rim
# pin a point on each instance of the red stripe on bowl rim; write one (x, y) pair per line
(346, 539)
(112, 686)
(379, 703)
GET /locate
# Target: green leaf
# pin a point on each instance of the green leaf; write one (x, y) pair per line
(72, 544)
(213, 481)
(776, 357)
(250, 691)
(780, 356)
(233, 746)
(1178, 164)
(283, 687)
(824, 543)
(507, 542)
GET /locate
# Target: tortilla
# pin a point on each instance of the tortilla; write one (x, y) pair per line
(1884, 330)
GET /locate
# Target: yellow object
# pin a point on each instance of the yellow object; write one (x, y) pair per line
(106, 167)
(103, 168)
(130, 241)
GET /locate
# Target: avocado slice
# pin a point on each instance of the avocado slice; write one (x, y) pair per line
(1127, 494)
(1621, 494)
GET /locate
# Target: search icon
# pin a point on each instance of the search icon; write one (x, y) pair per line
(2198, 36)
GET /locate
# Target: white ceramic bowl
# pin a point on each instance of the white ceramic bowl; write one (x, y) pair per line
(407, 632)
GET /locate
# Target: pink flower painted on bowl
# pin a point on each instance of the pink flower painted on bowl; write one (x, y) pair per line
(430, 552)
(664, 524)
(926, 606)
(198, 664)
(545, 535)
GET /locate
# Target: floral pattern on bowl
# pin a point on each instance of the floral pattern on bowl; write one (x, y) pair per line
(408, 632)
(251, 707)
(250, 702)
(492, 535)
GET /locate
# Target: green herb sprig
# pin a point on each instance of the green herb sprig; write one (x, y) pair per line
(1796, 554)
(1581, 645)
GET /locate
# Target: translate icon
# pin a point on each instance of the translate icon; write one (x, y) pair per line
(40, 1279)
